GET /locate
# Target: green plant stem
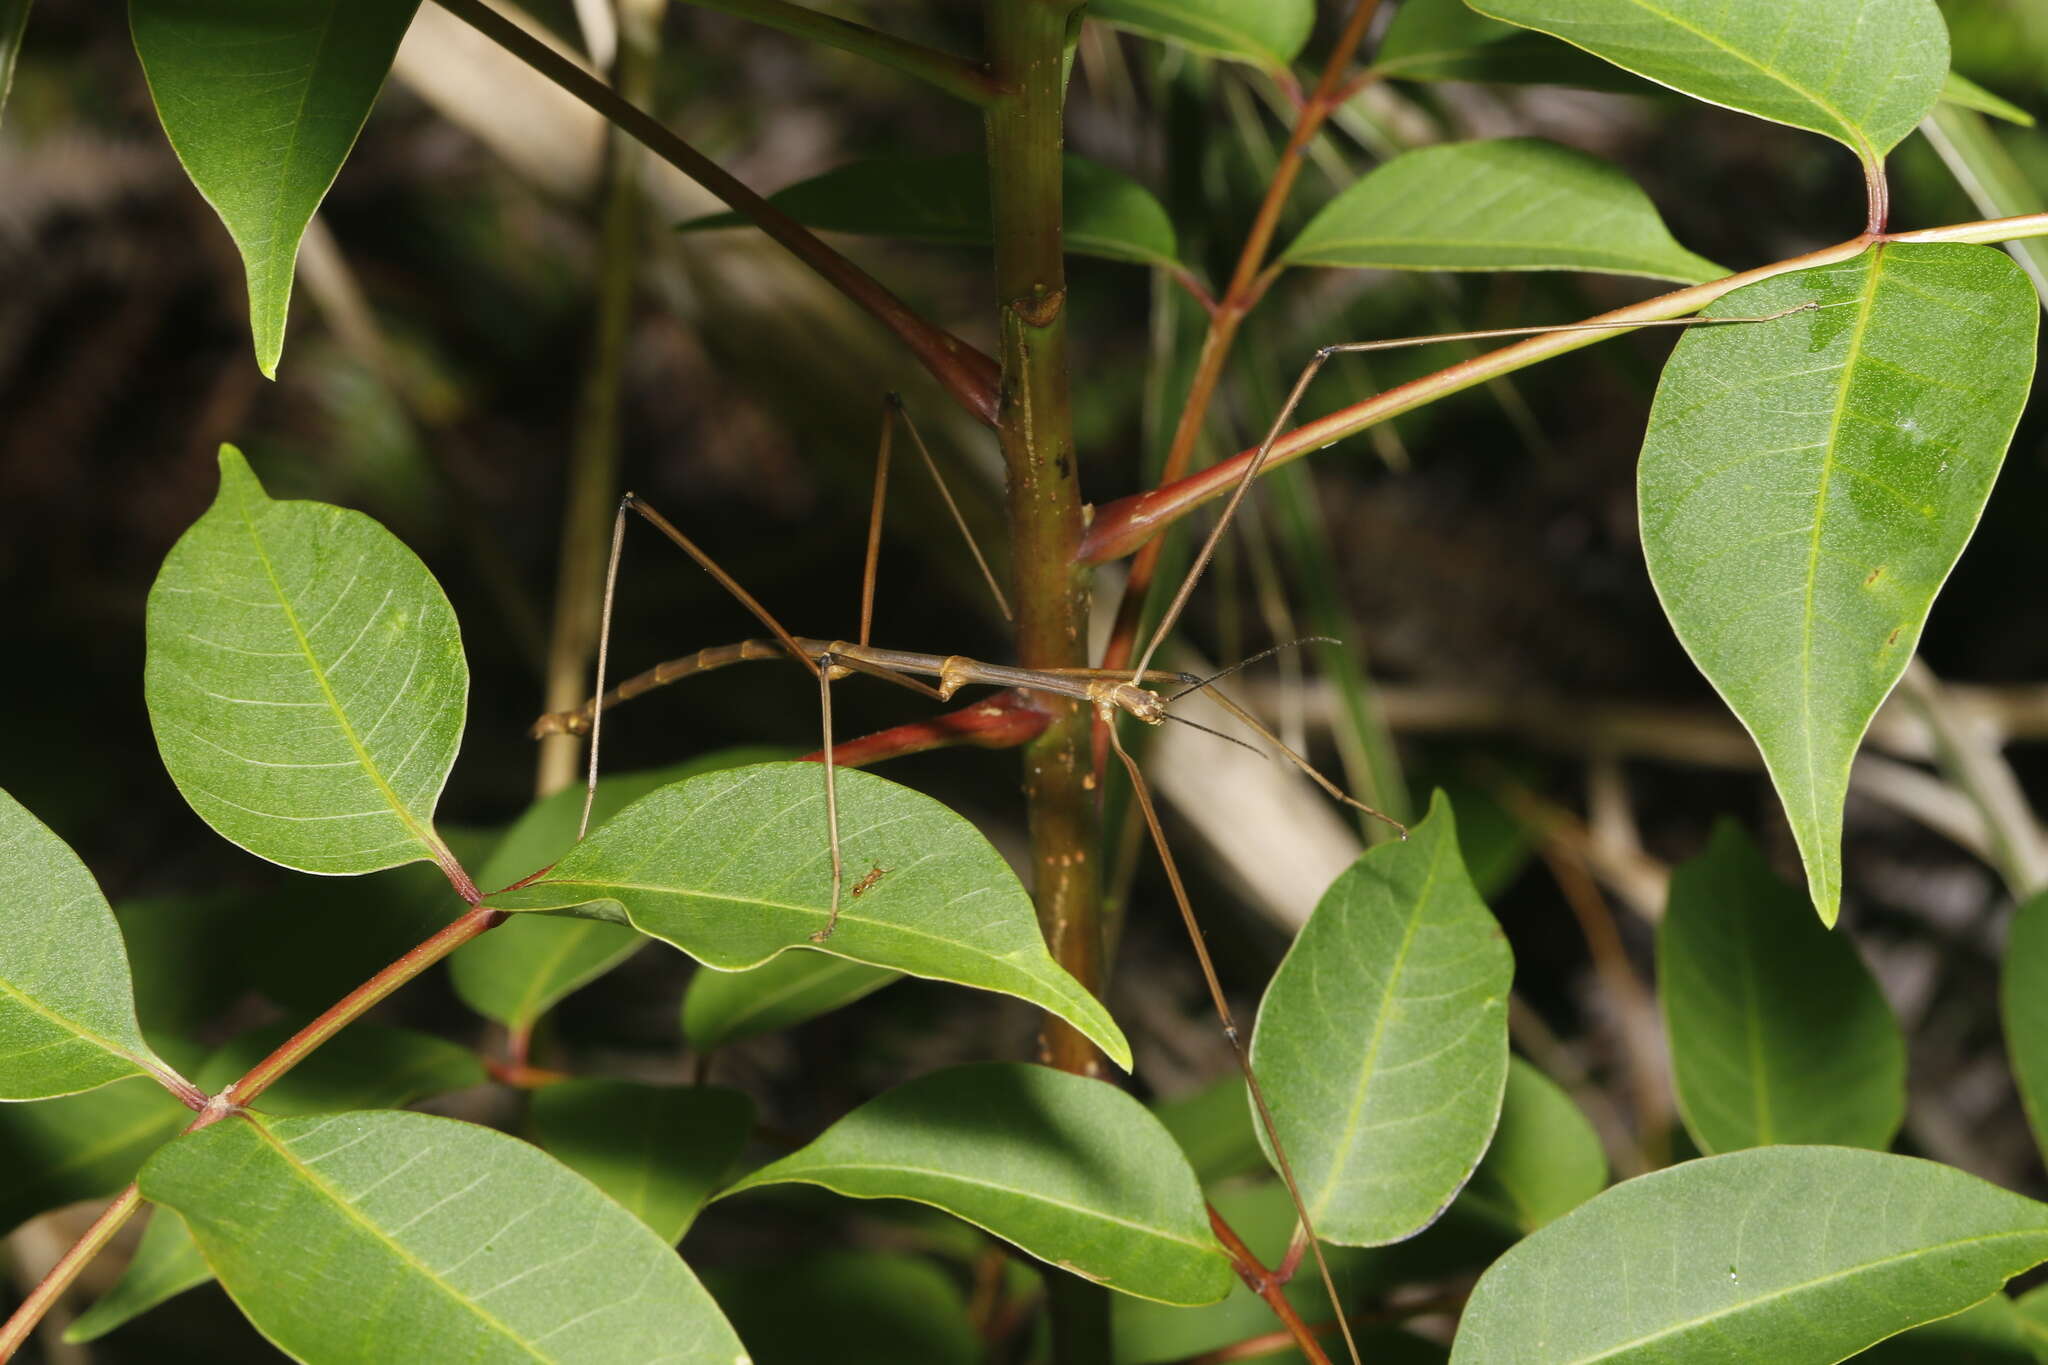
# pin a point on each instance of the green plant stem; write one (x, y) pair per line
(954, 75)
(964, 372)
(357, 1002)
(1035, 428)
(52, 1286)
(593, 490)
(1120, 527)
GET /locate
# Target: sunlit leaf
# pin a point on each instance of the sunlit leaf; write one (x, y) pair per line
(67, 1010)
(735, 867)
(1545, 1159)
(166, 1263)
(724, 1007)
(1794, 1255)
(305, 681)
(1807, 483)
(262, 103)
(365, 1066)
(1382, 1042)
(521, 970)
(860, 1308)
(56, 1152)
(946, 199)
(1071, 1170)
(435, 1239)
(2023, 1006)
(1508, 204)
(1268, 33)
(1862, 72)
(660, 1150)
(1778, 1032)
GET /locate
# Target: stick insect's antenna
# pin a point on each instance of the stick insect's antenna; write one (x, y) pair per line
(1308, 374)
(1220, 674)
(604, 648)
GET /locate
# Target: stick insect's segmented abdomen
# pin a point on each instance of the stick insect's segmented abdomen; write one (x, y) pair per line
(577, 722)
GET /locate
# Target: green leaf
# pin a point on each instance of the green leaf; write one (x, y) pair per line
(1992, 1333)
(1965, 93)
(13, 23)
(1545, 1159)
(1073, 1171)
(946, 199)
(262, 103)
(1446, 40)
(67, 1010)
(724, 1007)
(1382, 1042)
(1214, 1129)
(521, 970)
(365, 1066)
(1807, 483)
(1508, 204)
(1268, 33)
(1783, 1254)
(305, 681)
(859, 1308)
(2023, 1006)
(2033, 1315)
(1778, 1032)
(166, 1263)
(659, 1150)
(1862, 72)
(434, 1240)
(735, 867)
(56, 1152)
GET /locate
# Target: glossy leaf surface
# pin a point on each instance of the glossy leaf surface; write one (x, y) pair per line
(1795, 1255)
(735, 867)
(305, 681)
(1545, 1159)
(521, 970)
(2023, 1007)
(724, 1007)
(1269, 33)
(262, 103)
(67, 1008)
(1807, 483)
(434, 1240)
(1382, 1042)
(659, 1150)
(1506, 204)
(1073, 1171)
(166, 1264)
(946, 199)
(1778, 1032)
(56, 1152)
(1862, 72)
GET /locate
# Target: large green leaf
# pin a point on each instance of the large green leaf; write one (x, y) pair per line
(946, 199)
(1071, 1170)
(1792, 1255)
(365, 1066)
(262, 103)
(1267, 33)
(1807, 483)
(67, 1010)
(56, 1152)
(1382, 1042)
(1778, 1032)
(1545, 1159)
(660, 1150)
(1447, 40)
(166, 1263)
(735, 867)
(2023, 1003)
(1862, 72)
(305, 681)
(724, 1007)
(433, 1240)
(860, 1308)
(1509, 204)
(521, 970)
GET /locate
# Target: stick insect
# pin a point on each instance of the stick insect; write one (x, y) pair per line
(1109, 693)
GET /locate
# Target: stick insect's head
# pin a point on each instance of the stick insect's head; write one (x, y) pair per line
(1136, 701)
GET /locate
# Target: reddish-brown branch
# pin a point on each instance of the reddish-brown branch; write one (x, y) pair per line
(1003, 721)
(1267, 1286)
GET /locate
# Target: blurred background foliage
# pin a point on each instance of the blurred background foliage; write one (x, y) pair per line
(1485, 548)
